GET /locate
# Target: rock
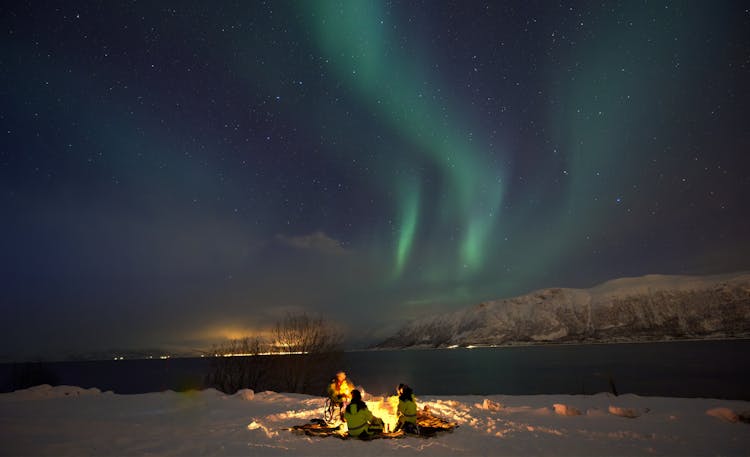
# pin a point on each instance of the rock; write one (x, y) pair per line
(565, 410)
(245, 394)
(724, 414)
(489, 405)
(630, 413)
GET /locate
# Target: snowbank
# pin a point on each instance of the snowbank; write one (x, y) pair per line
(72, 421)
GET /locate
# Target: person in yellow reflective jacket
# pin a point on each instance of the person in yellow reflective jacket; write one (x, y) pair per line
(407, 410)
(359, 420)
(340, 392)
(340, 389)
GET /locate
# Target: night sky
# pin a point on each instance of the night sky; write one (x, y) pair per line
(173, 173)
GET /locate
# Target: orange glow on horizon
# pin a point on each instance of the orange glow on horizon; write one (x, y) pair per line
(219, 334)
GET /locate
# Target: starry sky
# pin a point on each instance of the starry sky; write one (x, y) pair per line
(177, 172)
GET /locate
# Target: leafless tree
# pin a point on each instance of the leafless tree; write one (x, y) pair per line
(300, 333)
(244, 369)
(312, 349)
(304, 352)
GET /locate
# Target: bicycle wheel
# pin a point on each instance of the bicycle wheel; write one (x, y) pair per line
(329, 411)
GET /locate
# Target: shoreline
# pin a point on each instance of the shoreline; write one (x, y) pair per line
(524, 344)
(520, 344)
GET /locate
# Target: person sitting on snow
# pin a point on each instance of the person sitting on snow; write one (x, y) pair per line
(340, 389)
(400, 390)
(359, 420)
(340, 392)
(407, 410)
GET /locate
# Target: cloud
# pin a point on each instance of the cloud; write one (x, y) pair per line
(316, 241)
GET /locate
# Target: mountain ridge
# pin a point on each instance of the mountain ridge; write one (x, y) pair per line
(651, 307)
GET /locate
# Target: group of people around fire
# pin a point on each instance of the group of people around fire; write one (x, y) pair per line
(359, 420)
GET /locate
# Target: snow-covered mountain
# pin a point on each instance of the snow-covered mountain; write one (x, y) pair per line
(628, 309)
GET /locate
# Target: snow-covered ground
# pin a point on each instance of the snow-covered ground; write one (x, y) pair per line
(66, 420)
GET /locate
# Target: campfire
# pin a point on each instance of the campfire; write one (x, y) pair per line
(384, 408)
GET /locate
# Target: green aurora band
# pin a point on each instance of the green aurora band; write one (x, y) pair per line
(409, 216)
(355, 38)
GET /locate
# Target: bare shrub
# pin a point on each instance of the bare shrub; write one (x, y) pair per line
(313, 351)
(302, 354)
(232, 373)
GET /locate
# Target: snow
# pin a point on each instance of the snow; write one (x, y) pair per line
(652, 307)
(68, 420)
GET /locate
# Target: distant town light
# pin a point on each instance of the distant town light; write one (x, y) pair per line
(250, 354)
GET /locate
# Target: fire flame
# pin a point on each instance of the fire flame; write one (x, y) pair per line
(385, 409)
(345, 390)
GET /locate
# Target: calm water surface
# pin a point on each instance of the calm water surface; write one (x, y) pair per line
(716, 369)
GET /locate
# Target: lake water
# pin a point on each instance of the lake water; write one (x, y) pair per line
(714, 369)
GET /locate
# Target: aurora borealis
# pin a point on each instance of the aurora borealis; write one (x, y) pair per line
(349, 30)
(176, 172)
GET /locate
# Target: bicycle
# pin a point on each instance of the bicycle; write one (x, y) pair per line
(332, 411)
